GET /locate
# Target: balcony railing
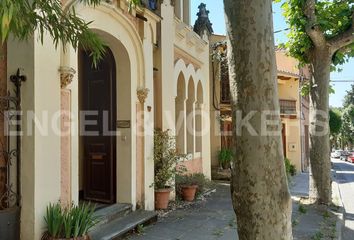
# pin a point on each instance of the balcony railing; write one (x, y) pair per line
(287, 107)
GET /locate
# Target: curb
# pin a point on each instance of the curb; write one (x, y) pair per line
(341, 213)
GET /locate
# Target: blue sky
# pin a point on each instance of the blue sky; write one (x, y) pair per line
(217, 18)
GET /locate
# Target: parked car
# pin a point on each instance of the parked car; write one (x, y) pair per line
(350, 158)
(344, 155)
(336, 153)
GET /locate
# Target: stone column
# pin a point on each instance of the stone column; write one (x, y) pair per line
(66, 76)
(140, 138)
(199, 127)
(181, 129)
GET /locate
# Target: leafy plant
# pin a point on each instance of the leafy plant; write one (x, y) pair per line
(22, 17)
(225, 157)
(302, 209)
(133, 4)
(198, 179)
(165, 158)
(54, 219)
(290, 168)
(70, 222)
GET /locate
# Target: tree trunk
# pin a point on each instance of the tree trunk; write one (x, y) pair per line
(3, 92)
(259, 188)
(319, 126)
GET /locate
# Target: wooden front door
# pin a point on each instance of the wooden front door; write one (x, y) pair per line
(283, 134)
(98, 101)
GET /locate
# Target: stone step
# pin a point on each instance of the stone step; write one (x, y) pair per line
(120, 226)
(112, 212)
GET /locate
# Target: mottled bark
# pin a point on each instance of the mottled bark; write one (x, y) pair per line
(3, 92)
(319, 126)
(260, 192)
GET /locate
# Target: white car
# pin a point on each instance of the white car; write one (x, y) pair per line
(336, 154)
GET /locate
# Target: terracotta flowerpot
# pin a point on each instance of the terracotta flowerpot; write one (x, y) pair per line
(188, 192)
(162, 197)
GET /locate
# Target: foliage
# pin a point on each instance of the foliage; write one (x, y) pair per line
(198, 179)
(165, 158)
(219, 52)
(333, 18)
(335, 121)
(225, 157)
(349, 97)
(290, 168)
(70, 222)
(22, 18)
(133, 4)
(348, 125)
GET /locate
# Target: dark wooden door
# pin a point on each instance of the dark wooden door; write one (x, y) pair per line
(283, 134)
(98, 95)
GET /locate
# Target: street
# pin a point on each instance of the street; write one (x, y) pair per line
(345, 178)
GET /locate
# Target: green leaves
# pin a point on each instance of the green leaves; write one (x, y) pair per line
(22, 18)
(70, 222)
(333, 18)
(133, 4)
(335, 121)
(7, 14)
(166, 158)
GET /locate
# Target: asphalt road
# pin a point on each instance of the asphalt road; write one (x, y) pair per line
(345, 178)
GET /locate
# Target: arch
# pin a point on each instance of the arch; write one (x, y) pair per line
(190, 111)
(103, 17)
(180, 122)
(126, 46)
(188, 72)
(199, 118)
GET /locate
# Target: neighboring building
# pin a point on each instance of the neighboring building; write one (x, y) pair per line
(293, 107)
(155, 74)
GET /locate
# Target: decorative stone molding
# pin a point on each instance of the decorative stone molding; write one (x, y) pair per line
(142, 94)
(66, 76)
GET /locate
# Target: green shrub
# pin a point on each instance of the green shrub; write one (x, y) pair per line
(225, 157)
(290, 168)
(198, 179)
(70, 222)
(165, 158)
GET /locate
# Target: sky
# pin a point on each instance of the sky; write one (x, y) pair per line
(216, 16)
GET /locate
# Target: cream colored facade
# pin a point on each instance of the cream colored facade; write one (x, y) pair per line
(162, 81)
(294, 109)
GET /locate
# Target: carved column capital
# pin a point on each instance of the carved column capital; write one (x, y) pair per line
(142, 94)
(66, 76)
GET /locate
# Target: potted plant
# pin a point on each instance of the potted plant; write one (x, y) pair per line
(165, 159)
(225, 156)
(187, 186)
(69, 223)
(190, 185)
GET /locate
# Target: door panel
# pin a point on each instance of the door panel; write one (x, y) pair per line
(283, 134)
(99, 102)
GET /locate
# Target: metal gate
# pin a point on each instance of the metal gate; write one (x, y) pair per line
(10, 171)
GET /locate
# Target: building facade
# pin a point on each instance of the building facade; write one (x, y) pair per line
(293, 106)
(87, 132)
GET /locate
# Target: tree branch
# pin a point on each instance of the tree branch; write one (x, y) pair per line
(312, 28)
(344, 39)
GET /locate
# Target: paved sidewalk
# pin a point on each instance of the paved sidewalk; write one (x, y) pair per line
(215, 218)
(299, 185)
(206, 220)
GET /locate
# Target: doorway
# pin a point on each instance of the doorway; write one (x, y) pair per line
(97, 127)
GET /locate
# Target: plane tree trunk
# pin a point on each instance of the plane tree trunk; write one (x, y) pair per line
(259, 188)
(319, 126)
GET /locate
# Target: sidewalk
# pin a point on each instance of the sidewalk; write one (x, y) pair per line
(309, 220)
(215, 219)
